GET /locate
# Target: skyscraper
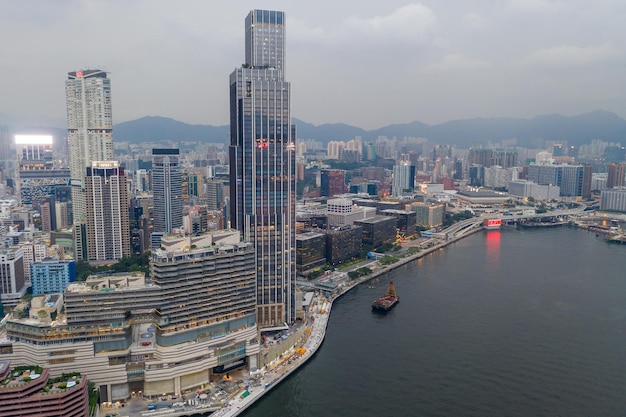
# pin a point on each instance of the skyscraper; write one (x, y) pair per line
(90, 136)
(108, 234)
(403, 179)
(167, 190)
(616, 175)
(262, 164)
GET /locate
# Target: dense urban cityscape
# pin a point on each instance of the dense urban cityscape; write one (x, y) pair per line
(183, 278)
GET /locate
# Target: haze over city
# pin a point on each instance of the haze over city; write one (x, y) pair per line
(365, 63)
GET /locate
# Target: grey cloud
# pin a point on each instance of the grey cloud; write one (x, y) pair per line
(366, 62)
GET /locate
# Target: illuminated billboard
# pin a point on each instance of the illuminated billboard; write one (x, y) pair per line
(33, 139)
(493, 223)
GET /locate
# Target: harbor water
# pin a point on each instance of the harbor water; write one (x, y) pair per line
(502, 323)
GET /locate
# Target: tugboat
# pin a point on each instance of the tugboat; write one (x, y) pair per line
(387, 301)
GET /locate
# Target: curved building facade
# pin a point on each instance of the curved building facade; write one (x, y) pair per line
(193, 321)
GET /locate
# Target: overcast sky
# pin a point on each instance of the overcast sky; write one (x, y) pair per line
(368, 63)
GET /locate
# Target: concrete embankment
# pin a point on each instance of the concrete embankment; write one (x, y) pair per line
(405, 260)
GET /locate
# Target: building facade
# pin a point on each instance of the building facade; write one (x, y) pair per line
(12, 278)
(31, 393)
(332, 182)
(429, 214)
(192, 323)
(90, 136)
(574, 181)
(405, 220)
(108, 232)
(403, 179)
(214, 194)
(343, 243)
(262, 164)
(527, 189)
(378, 230)
(310, 251)
(615, 175)
(32, 251)
(613, 199)
(52, 275)
(167, 190)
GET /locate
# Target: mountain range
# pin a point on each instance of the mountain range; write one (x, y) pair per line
(534, 132)
(572, 130)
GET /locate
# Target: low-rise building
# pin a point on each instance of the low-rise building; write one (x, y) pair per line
(405, 220)
(31, 391)
(310, 251)
(428, 214)
(378, 230)
(613, 200)
(528, 189)
(52, 275)
(343, 244)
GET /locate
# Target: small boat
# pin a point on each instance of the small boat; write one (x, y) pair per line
(387, 301)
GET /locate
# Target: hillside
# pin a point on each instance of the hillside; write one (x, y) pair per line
(573, 130)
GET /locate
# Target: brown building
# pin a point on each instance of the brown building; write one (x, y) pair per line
(333, 182)
(405, 220)
(378, 230)
(343, 243)
(615, 177)
(29, 391)
(310, 251)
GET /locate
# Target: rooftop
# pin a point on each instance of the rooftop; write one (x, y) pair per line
(109, 282)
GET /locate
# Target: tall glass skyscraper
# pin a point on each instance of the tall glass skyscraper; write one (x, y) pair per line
(90, 137)
(262, 164)
(167, 190)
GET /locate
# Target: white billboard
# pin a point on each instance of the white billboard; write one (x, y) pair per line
(33, 139)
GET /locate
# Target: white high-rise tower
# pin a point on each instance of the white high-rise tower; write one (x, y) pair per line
(90, 137)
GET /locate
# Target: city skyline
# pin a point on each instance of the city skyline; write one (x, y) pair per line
(418, 60)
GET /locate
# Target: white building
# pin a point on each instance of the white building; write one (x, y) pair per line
(334, 148)
(403, 179)
(613, 199)
(341, 212)
(90, 136)
(12, 279)
(32, 252)
(599, 180)
(527, 189)
(498, 177)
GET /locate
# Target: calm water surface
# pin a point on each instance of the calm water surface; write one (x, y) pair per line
(503, 323)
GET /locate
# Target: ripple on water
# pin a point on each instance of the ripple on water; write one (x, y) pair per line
(514, 329)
